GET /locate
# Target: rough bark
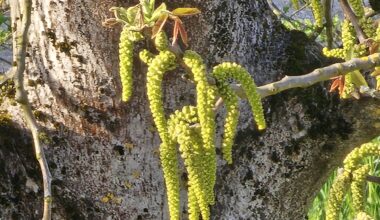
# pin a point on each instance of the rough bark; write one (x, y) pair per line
(101, 148)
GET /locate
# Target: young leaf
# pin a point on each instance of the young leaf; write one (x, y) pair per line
(185, 11)
(175, 31)
(151, 4)
(121, 14)
(158, 12)
(131, 13)
(183, 33)
(145, 4)
(159, 24)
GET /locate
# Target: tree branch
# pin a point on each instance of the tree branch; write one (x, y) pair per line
(20, 16)
(352, 17)
(318, 75)
(303, 81)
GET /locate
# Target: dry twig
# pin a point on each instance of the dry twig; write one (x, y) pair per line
(21, 15)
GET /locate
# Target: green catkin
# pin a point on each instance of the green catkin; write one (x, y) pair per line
(227, 70)
(336, 195)
(162, 63)
(169, 163)
(146, 56)
(360, 50)
(357, 7)
(354, 159)
(193, 207)
(193, 153)
(127, 39)
(367, 25)
(363, 216)
(348, 38)
(337, 52)
(317, 9)
(232, 104)
(358, 188)
(349, 87)
(205, 105)
(161, 41)
(353, 79)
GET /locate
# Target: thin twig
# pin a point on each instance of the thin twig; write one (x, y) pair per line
(300, 9)
(374, 179)
(354, 20)
(280, 14)
(329, 23)
(21, 18)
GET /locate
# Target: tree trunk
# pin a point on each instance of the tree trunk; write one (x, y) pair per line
(103, 153)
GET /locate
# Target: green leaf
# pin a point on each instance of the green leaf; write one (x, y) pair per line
(159, 24)
(152, 2)
(147, 8)
(132, 14)
(158, 12)
(185, 11)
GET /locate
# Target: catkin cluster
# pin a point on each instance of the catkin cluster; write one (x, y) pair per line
(367, 24)
(192, 128)
(348, 38)
(354, 177)
(337, 52)
(357, 7)
(317, 8)
(358, 188)
(194, 153)
(205, 111)
(159, 65)
(336, 195)
(222, 73)
(351, 49)
(127, 40)
(225, 71)
(232, 104)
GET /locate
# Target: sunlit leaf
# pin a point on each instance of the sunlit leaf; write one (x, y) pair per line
(358, 79)
(120, 14)
(151, 4)
(158, 12)
(147, 10)
(160, 23)
(185, 11)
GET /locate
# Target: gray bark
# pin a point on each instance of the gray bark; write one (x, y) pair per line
(100, 147)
